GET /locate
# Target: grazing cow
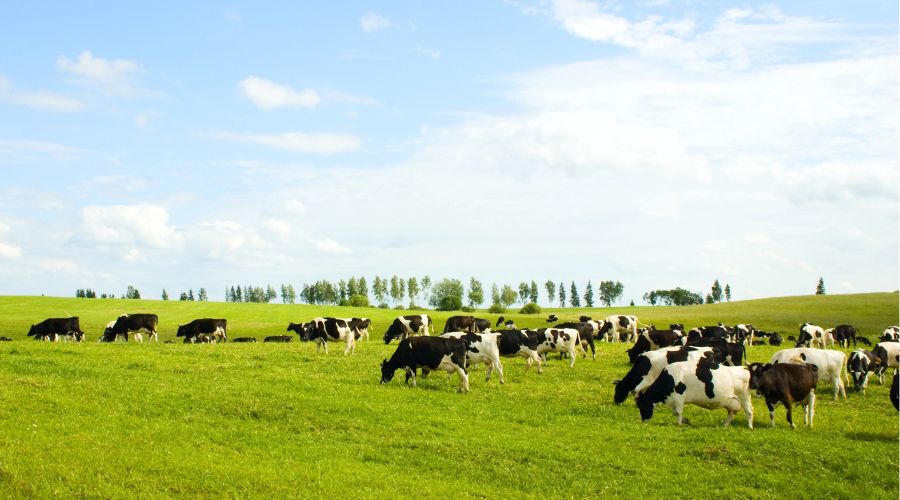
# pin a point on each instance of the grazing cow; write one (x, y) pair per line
(518, 343)
(360, 326)
(702, 383)
(653, 339)
(244, 339)
(706, 332)
(500, 321)
(556, 340)
(843, 334)
(786, 384)
(677, 326)
(481, 348)
(552, 319)
(732, 352)
(650, 364)
(52, 328)
(427, 353)
(810, 335)
(886, 355)
(891, 333)
(216, 327)
(864, 340)
(775, 339)
(613, 325)
(895, 391)
(459, 324)
(324, 330)
(829, 362)
(278, 338)
(132, 323)
(859, 365)
(585, 336)
(403, 326)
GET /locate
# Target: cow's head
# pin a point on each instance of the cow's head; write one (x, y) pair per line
(307, 330)
(182, 331)
(294, 327)
(645, 406)
(756, 371)
(32, 331)
(387, 374)
(394, 331)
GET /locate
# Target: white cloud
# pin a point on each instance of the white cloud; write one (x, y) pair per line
(10, 251)
(427, 52)
(371, 22)
(111, 76)
(14, 152)
(328, 245)
(129, 225)
(322, 143)
(134, 255)
(44, 101)
(267, 94)
(59, 265)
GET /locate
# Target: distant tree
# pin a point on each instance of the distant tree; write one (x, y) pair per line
(820, 287)
(507, 296)
(651, 297)
(352, 287)
(550, 286)
(238, 296)
(132, 293)
(202, 296)
(402, 288)
(716, 291)
(476, 293)
(425, 283)
(412, 289)
(727, 292)
(632, 303)
(524, 292)
(562, 295)
(610, 291)
(183, 296)
(342, 289)
(574, 299)
(103, 296)
(533, 292)
(709, 298)
(191, 294)
(165, 295)
(271, 294)
(447, 295)
(379, 289)
(363, 288)
(79, 294)
(589, 295)
(395, 289)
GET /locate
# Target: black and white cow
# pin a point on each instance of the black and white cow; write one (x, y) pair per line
(481, 348)
(278, 338)
(585, 336)
(556, 340)
(54, 328)
(132, 323)
(613, 325)
(706, 332)
(886, 356)
(733, 352)
(324, 330)
(786, 384)
(360, 326)
(552, 319)
(810, 335)
(244, 339)
(860, 364)
(466, 324)
(429, 354)
(647, 366)
(403, 326)
(744, 333)
(703, 383)
(891, 333)
(519, 343)
(843, 334)
(829, 362)
(218, 328)
(5, 339)
(651, 340)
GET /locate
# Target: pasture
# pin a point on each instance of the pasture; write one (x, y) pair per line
(278, 420)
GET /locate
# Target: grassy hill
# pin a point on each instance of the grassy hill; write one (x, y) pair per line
(125, 420)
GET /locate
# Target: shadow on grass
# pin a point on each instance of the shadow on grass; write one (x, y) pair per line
(871, 436)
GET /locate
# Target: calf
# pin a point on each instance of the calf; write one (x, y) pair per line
(649, 365)
(702, 383)
(886, 355)
(650, 340)
(481, 348)
(786, 384)
(829, 362)
(859, 365)
(518, 343)
(585, 336)
(53, 328)
(324, 330)
(244, 339)
(843, 334)
(775, 339)
(278, 338)
(427, 353)
(557, 340)
(403, 326)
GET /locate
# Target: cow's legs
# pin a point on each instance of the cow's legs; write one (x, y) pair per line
(810, 409)
(729, 418)
(572, 356)
(499, 369)
(463, 379)
(771, 406)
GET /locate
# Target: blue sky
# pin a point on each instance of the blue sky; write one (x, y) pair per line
(658, 143)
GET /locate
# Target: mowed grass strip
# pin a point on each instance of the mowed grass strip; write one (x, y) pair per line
(250, 420)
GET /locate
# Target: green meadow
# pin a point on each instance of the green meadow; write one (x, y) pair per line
(279, 420)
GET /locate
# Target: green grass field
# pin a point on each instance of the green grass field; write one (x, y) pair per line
(277, 420)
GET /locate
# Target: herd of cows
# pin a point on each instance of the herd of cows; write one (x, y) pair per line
(702, 366)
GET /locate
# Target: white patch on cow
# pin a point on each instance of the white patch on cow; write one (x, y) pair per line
(830, 364)
(487, 351)
(731, 390)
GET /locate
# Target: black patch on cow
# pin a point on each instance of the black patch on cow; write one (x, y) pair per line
(704, 374)
(680, 388)
(631, 379)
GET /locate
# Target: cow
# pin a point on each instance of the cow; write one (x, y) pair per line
(886, 356)
(132, 323)
(481, 348)
(775, 339)
(403, 326)
(216, 327)
(705, 332)
(786, 384)
(552, 319)
(500, 321)
(732, 352)
(427, 353)
(860, 364)
(650, 364)
(324, 330)
(466, 324)
(829, 362)
(677, 326)
(585, 336)
(52, 328)
(5, 339)
(204, 338)
(278, 338)
(360, 327)
(890, 333)
(518, 343)
(244, 339)
(556, 340)
(895, 391)
(810, 335)
(843, 334)
(613, 325)
(703, 383)
(864, 340)
(650, 340)
(744, 333)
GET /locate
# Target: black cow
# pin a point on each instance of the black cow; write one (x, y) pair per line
(843, 334)
(653, 339)
(52, 328)
(215, 327)
(552, 319)
(403, 326)
(244, 339)
(864, 340)
(279, 338)
(482, 325)
(5, 339)
(786, 383)
(132, 323)
(585, 336)
(500, 321)
(460, 324)
(427, 353)
(518, 343)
